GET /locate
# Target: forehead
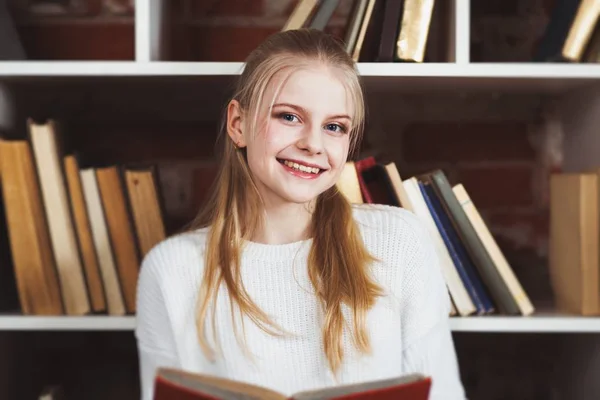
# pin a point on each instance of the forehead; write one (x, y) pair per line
(317, 90)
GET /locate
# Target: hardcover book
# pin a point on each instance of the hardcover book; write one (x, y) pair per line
(175, 384)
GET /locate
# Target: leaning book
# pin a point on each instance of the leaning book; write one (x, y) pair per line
(175, 384)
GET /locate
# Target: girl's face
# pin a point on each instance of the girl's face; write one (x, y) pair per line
(302, 142)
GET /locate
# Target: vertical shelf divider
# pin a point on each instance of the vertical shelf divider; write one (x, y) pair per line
(462, 31)
(149, 30)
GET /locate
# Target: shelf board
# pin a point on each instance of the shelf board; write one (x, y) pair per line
(539, 323)
(167, 68)
(60, 323)
(392, 77)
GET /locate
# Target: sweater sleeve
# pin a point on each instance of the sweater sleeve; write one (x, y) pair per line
(155, 340)
(428, 347)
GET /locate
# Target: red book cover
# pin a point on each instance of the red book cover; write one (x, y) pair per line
(172, 384)
(361, 166)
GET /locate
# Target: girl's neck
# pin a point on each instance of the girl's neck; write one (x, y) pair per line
(285, 224)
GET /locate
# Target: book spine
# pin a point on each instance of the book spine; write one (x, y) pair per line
(389, 31)
(557, 30)
(465, 269)
(482, 260)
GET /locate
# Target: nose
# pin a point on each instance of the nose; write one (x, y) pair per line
(311, 140)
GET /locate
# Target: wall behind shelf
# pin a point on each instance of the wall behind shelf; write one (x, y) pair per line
(75, 30)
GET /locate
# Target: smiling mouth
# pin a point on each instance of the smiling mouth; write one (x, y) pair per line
(301, 168)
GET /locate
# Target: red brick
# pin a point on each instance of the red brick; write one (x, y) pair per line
(216, 43)
(248, 8)
(456, 142)
(500, 186)
(79, 41)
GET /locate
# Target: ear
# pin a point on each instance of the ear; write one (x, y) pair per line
(235, 123)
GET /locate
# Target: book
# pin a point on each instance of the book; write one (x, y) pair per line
(486, 268)
(573, 245)
(481, 228)
(452, 273)
(174, 384)
(115, 303)
(46, 143)
(29, 237)
(84, 234)
(123, 241)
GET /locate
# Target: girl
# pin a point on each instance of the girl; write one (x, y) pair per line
(282, 282)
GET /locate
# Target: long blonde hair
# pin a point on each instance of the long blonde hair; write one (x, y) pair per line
(338, 261)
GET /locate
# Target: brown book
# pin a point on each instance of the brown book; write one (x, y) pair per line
(120, 228)
(84, 234)
(574, 254)
(35, 270)
(48, 159)
(146, 207)
(108, 270)
(301, 14)
(414, 30)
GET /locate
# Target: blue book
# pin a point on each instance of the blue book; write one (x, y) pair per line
(464, 266)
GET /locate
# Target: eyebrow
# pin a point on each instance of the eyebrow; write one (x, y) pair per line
(304, 111)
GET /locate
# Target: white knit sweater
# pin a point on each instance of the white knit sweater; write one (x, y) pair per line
(408, 327)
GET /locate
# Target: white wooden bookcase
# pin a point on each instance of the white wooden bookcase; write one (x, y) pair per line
(575, 86)
(571, 82)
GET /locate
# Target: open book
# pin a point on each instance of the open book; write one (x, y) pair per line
(175, 384)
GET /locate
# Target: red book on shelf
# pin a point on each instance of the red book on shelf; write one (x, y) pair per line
(175, 384)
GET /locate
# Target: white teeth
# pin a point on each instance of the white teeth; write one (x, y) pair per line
(303, 168)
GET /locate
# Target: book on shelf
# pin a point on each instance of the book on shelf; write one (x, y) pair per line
(568, 35)
(77, 234)
(574, 239)
(479, 279)
(382, 31)
(174, 384)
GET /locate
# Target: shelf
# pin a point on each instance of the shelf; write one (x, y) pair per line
(449, 70)
(541, 323)
(85, 323)
(519, 77)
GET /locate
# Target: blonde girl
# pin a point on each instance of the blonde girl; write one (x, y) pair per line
(281, 282)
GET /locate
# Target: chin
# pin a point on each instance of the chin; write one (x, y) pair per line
(300, 199)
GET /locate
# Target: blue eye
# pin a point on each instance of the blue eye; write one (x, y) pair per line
(336, 128)
(288, 117)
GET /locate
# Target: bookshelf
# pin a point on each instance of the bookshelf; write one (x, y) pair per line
(573, 86)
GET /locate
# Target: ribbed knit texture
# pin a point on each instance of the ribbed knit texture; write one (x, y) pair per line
(408, 327)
